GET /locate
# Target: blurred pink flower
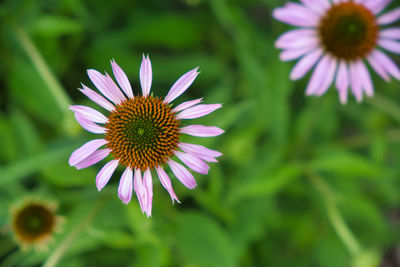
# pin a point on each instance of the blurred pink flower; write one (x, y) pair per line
(142, 133)
(338, 37)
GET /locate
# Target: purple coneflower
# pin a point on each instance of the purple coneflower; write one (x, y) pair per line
(337, 37)
(143, 133)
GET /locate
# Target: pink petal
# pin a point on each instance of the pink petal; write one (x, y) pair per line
(125, 186)
(377, 66)
(197, 111)
(122, 79)
(105, 174)
(201, 130)
(365, 78)
(89, 114)
(193, 162)
(305, 64)
(318, 6)
(89, 125)
(98, 99)
(292, 54)
(342, 81)
(297, 39)
(318, 77)
(182, 174)
(202, 152)
(145, 75)
(95, 157)
(148, 184)
(181, 85)
(296, 15)
(387, 63)
(85, 151)
(187, 104)
(376, 6)
(103, 83)
(140, 190)
(330, 74)
(356, 86)
(389, 17)
(166, 182)
(391, 33)
(392, 46)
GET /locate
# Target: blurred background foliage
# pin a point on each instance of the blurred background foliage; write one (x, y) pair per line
(304, 181)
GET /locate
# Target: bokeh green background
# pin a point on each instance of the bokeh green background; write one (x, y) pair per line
(304, 181)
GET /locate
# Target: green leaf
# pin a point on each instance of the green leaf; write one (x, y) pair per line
(202, 242)
(55, 26)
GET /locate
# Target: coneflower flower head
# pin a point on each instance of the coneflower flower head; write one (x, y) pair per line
(338, 37)
(143, 133)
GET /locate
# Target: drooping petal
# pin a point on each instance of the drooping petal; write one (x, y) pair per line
(181, 85)
(355, 82)
(193, 162)
(386, 62)
(187, 104)
(366, 82)
(166, 182)
(391, 33)
(318, 6)
(89, 114)
(89, 125)
(197, 111)
(148, 184)
(95, 157)
(202, 152)
(102, 83)
(98, 99)
(145, 75)
(330, 75)
(296, 15)
(85, 151)
(125, 186)
(342, 81)
(105, 174)
(122, 79)
(389, 17)
(305, 64)
(392, 46)
(376, 65)
(318, 77)
(140, 190)
(182, 174)
(201, 130)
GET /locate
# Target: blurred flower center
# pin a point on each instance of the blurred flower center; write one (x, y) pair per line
(142, 132)
(33, 222)
(349, 31)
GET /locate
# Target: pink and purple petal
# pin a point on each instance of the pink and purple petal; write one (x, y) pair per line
(89, 114)
(296, 39)
(95, 157)
(391, 33)
(140, 190)
(355, 82)
(197, 111)
(366, 82)
(186, 105)
(305, 64)
(122, 79)
(148, 184)
(390, 45)
(202, 152)
(389, 17)
(182, 174)
(103, 83)
(89, 125)
(329, 76)
(376, 6)
(342, 81)
(201, 130)
(105, 174)
(145, 75)
(386, 62)
(318, 77)
(166, 182)
(98, 99)
(193, 162)
(85, 151)
(125, 186)
(181, 85)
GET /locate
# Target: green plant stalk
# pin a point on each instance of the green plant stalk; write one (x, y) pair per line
(54, 86)
(57, 254)
(335, 217)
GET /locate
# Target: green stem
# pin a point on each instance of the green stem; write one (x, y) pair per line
(335, 217)
(56, 255)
